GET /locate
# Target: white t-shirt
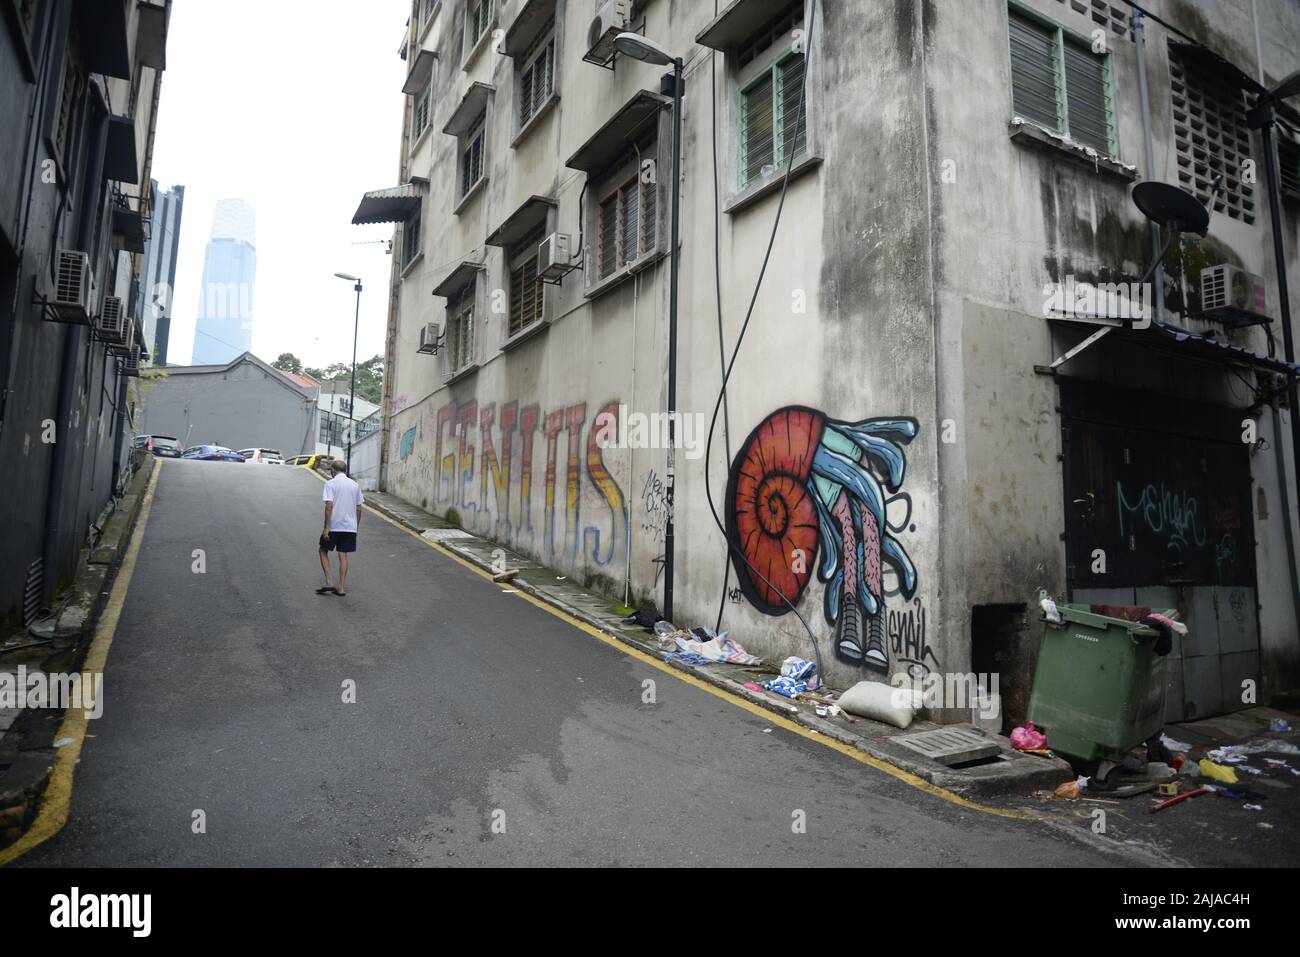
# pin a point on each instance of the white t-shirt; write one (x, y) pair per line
(347, 498)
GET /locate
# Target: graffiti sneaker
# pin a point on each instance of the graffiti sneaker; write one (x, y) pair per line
(876, 657)
(848, 630)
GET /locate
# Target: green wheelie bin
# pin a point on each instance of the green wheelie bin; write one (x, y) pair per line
(1099, 688)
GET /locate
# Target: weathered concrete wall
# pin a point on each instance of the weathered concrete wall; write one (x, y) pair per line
(905, 285)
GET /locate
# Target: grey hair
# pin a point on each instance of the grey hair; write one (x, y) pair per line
(338, 467)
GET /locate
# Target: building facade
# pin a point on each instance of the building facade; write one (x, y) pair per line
(341, 417)
(225, 323)
(241, 404)
(899, 463)
(158, 275)
(79, 89)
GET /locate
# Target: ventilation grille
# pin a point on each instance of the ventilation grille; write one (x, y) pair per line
(1101, 13)
(32, 590)
(1211, 136)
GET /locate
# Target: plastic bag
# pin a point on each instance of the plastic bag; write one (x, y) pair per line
(1028, 738)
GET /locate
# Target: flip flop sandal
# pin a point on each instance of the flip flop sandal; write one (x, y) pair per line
(325, 591)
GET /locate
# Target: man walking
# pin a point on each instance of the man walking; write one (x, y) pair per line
(343, 500)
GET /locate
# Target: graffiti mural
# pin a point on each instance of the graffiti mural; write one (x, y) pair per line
(807, 491)
(480, 460)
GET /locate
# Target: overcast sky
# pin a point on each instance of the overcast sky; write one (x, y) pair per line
(296, 107)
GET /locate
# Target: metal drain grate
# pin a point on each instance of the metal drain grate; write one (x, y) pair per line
(949, 746)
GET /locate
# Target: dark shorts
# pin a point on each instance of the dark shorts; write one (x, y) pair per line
(343, 541)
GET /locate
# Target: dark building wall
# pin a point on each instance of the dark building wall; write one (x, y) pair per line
(61, 418)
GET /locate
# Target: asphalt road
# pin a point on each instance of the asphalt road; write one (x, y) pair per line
(223, 693)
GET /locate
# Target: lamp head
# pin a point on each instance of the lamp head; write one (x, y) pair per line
(642, 48)
(349, 278)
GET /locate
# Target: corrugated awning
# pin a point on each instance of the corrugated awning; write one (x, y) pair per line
(616, 136)
(394, 205)
(1212, 347)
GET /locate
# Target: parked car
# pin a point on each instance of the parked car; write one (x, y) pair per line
(212, 453)
(310, 461)
(163, 446)
(265, 456)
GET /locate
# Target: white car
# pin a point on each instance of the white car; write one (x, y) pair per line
(263, 456)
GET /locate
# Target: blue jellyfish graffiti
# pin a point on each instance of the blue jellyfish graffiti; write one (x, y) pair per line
(809, 491)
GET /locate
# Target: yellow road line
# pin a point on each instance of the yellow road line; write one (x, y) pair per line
(53, 811)
(792, 726)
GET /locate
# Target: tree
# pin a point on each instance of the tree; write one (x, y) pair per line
(370, 376)
(287, 362)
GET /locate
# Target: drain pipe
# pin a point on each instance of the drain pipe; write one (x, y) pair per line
(1139, 41)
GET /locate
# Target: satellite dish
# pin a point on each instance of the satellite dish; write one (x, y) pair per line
(1171, 207)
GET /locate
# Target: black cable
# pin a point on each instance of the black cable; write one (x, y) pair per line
(717, 289)
(749, 314)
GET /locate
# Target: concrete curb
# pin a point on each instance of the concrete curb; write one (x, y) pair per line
(1015, 774)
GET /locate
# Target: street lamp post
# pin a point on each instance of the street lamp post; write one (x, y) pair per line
(1262, 118)
(352, 391)
(640, 48)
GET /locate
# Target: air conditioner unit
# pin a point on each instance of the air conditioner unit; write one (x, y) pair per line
(430, 340)
(74, 287)
(553, 257)
(111, 325)
(612, 18)
(131, 362)
(1233, 296)
(127, 341)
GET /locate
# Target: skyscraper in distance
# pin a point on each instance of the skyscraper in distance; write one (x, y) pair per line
(158, 276)
(225, 322)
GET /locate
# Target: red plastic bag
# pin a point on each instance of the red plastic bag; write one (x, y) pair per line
(1027, 738)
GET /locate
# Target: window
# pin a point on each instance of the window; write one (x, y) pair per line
(771, 86)
(537, 76)
(478, 17)
(1058, 83)
(525, 288)
(427, 10)
(626, 227)
(1211, 136)
(460, 330)
(420, 120)
(411, 239)
(471, 157)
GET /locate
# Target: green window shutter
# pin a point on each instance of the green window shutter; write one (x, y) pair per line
(1085, 91)
(791, 72)
(758, 137)
(649, 217)
(608, 236)
(629, 203)
(1034, 81)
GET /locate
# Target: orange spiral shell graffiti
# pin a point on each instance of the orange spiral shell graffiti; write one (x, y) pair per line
(771, 517)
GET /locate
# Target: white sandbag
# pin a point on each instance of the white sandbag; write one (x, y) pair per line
(881, 702)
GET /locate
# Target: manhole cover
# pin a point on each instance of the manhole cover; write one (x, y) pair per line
(949, 746)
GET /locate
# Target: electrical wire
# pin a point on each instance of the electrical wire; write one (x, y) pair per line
(740, 338)
(717, 290)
